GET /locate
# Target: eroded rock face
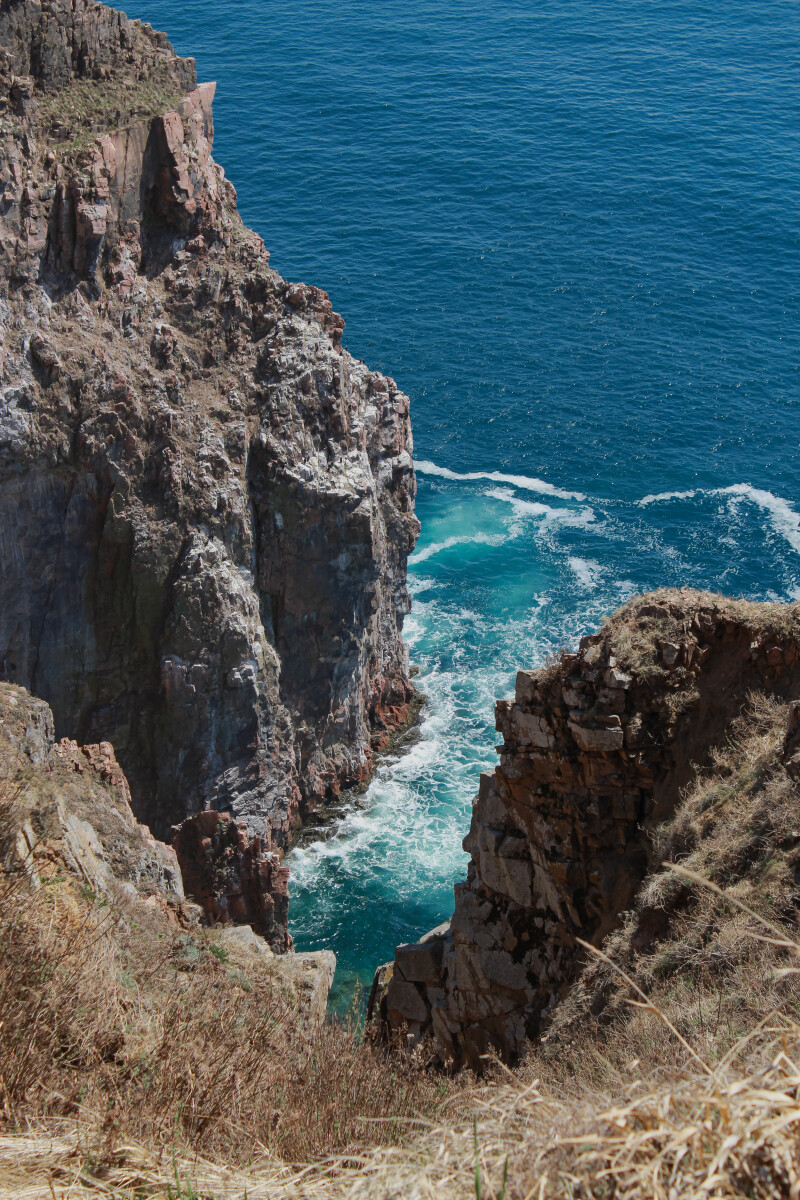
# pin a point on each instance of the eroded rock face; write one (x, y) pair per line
(70, 805)
(234, 876)
(595, 753)
(206, 505)
(66, 824)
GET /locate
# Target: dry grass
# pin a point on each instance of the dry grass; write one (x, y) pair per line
(206, 1058)
(696, 955)
(115, 1022)
(702, 1134)
(666, 615)
(672, 1071)
(88, 107)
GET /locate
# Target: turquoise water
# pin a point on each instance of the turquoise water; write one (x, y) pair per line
(571, 231)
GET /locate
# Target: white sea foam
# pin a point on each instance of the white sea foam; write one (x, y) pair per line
(417, 584)
(625, 588)
(396, 827)
(576, 518)
(525, 482)
(782, 517)
(483, 539)
(657, 496)
(587, 571)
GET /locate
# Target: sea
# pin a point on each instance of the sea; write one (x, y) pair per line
(570, 230)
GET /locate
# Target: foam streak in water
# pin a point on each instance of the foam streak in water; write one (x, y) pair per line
(662, 496)
(524, 482)
(578, 518)
(483, 539)
(783, 518)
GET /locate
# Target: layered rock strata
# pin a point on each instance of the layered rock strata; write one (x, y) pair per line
(206, 504)
(596, 751)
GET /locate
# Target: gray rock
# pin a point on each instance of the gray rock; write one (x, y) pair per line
(206, 504)
(405, 1002)
(597, 739)
(310, 976)
(421, 962)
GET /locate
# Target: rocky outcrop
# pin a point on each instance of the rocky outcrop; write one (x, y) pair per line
(234, 877)
(597, 749)
(206, 505)
(65, 806)
(66, 825)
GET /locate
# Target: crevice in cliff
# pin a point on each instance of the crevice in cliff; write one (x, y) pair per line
(52, 583)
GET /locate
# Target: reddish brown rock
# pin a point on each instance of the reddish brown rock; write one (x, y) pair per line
(234, 876)
(596, 751)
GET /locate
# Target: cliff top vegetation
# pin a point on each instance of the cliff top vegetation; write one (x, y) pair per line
(139, 1064)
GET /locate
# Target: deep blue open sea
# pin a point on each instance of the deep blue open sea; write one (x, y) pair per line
(570, 229)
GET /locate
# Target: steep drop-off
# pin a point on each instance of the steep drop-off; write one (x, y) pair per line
(597, 751)
(206, 505)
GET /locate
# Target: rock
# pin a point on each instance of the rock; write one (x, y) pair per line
(421, 962)
(532, 730)
(243, 939)
(614, 678)
(206, 504)
(75, 809)
(234, 877)
(377, 1017)
(560, 832)
(310, 976)
(791, 739)
(669, 654)
(597, 739)
(791, 742)
(405, 1002)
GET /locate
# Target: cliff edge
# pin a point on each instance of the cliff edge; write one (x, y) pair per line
(600, 750)
(206, 504)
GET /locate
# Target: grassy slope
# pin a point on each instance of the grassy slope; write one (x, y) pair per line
(119, 1025)
(691, 1090)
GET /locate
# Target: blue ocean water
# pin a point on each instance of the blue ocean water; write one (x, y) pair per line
(570, 229)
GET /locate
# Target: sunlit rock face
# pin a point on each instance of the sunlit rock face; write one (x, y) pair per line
(597, 748)
(206, 505)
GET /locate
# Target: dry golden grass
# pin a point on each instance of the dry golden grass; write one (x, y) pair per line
(118, 1024)
(702, 1134)
(636, 629)
(672, 1071)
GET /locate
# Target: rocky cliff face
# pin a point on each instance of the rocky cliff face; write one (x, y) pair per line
(67, 807)
(206, 505)
(233, 878)
(597, 749)
(67, 831)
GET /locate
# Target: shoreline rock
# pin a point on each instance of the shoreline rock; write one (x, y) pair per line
(597, 749)
(234, 877)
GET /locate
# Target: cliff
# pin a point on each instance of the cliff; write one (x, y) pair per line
(598, 750)
(206, 504)
(69, 840)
